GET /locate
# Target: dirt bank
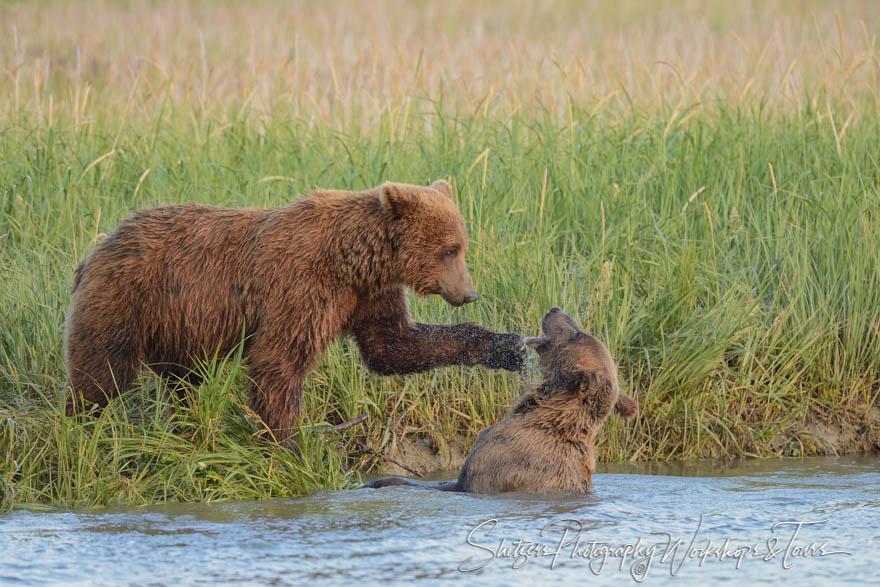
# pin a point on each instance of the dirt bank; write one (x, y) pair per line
(859, 432)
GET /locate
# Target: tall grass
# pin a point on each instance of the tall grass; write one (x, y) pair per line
(190, 443)
(713, 218)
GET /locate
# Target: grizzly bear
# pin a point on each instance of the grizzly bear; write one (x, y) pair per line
(546, 442)
(174, 284)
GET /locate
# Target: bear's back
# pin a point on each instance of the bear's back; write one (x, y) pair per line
(516, 455)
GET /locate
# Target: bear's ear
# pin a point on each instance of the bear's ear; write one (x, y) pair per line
(396, 198)
(442, 186)
(573, 381)
(626, 406)
(590, 383)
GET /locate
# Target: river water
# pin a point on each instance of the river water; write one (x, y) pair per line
(685, 523)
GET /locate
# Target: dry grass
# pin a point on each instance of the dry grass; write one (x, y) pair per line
(340, 62)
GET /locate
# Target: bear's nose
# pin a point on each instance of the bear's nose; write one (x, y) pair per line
(471, 297)
(554, 310)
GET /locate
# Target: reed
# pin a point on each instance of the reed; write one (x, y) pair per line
(697, 184)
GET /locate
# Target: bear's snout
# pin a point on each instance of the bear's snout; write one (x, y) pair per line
(457, 288)
(557, 326)
(458, 300)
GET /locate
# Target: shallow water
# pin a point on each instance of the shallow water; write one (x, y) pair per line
(406, 535)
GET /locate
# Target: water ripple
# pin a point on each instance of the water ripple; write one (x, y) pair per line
(404, 535)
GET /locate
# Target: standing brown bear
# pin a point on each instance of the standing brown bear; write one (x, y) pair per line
(546, 443)
(174, 283)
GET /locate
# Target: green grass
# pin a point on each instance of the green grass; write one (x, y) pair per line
(737, 316)
(697, 184)
(159, 444)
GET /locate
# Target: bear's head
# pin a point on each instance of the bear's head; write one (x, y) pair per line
(429, 239)
(572, 357)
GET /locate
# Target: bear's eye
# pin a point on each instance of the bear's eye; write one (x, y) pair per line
(451, 251)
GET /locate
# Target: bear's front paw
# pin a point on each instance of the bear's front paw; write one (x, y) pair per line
(506, 352)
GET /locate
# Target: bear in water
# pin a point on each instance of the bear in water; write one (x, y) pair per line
(546, 442)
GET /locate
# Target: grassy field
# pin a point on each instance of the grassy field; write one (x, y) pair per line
(699, 184)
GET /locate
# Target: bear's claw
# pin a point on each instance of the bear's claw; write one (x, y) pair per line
(534, 341)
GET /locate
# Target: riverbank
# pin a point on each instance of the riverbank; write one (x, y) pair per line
(852, 434)
(701, 198)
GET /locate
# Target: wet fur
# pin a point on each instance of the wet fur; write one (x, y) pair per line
(546, 442)
(173, 284)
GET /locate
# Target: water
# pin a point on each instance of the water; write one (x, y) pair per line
(410, 535)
